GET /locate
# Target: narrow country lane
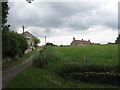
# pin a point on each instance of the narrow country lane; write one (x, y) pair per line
(7, 75)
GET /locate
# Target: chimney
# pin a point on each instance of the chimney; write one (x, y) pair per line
(82, 39)
(73, 38)
(23, 30)
(89, 40)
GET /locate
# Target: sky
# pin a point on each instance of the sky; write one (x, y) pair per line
(61, 21)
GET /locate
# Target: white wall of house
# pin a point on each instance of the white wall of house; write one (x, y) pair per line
(30, 40)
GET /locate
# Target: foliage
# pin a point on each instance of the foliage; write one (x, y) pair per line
(33, 77)
(44, 59)
(5, 9)
(36, 40)
(70, 58)
(95, 77)
(50, 44)
(71, 68)
(23, 45)
(18, 60)
(118, 39)
(13, 44)
(91, 73)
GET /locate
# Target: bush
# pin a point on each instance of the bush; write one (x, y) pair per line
(44, 59)
(50, 44)
(91, 73)
(95, 77)
(40, 61)
(70, 68)
(13, 44)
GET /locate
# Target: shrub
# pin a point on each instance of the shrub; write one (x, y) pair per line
(40, 61)
(44, 59)
(70, 68)
(95, 77)
(13, 44)
(91, 73)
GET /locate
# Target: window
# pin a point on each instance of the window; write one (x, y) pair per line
(28, 38)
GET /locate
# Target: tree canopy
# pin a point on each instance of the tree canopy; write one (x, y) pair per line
(36, 40)
(5, 13)
(118, 39)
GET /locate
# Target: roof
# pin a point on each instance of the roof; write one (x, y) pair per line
(40, 47)
(82, 41)
(95, 43)
(28, 32)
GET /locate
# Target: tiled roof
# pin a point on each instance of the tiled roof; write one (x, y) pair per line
(82, 42)
(95, 43)
(40, 46)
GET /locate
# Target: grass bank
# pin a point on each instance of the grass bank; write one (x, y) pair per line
(18, 61)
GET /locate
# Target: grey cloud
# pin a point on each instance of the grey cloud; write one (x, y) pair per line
(59, 15)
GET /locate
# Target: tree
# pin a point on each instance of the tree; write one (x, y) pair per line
(5, 28)
(5, 9)
(36, 41)
(10, 44)
(118, 39)
(50, 44)
(13, 44)
(23, 45)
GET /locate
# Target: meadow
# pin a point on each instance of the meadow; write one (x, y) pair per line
(78, 67)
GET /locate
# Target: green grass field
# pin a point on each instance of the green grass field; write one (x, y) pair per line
(95, 54)
(53, 59)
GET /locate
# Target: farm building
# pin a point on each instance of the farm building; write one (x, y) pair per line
(82, 42)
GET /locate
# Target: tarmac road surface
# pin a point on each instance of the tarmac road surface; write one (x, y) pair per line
(9, 74)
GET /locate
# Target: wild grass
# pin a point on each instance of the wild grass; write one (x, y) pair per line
(33, 77)
(67, 60)
(54, 62)
(18, 60)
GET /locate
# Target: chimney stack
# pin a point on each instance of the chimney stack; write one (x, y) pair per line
(23, 30)
(82, 39)
(73, 38)
(89, 40)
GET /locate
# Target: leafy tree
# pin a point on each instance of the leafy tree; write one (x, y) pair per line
(5, 9)
(36, 40)
(118, 39)
(23, 45)
(10, 44)
(13, 44)
(50, 44)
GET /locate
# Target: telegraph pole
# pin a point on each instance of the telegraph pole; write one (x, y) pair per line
(45, 40)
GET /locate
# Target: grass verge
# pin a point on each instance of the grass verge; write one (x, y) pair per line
(18, 61)
(33, 77)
